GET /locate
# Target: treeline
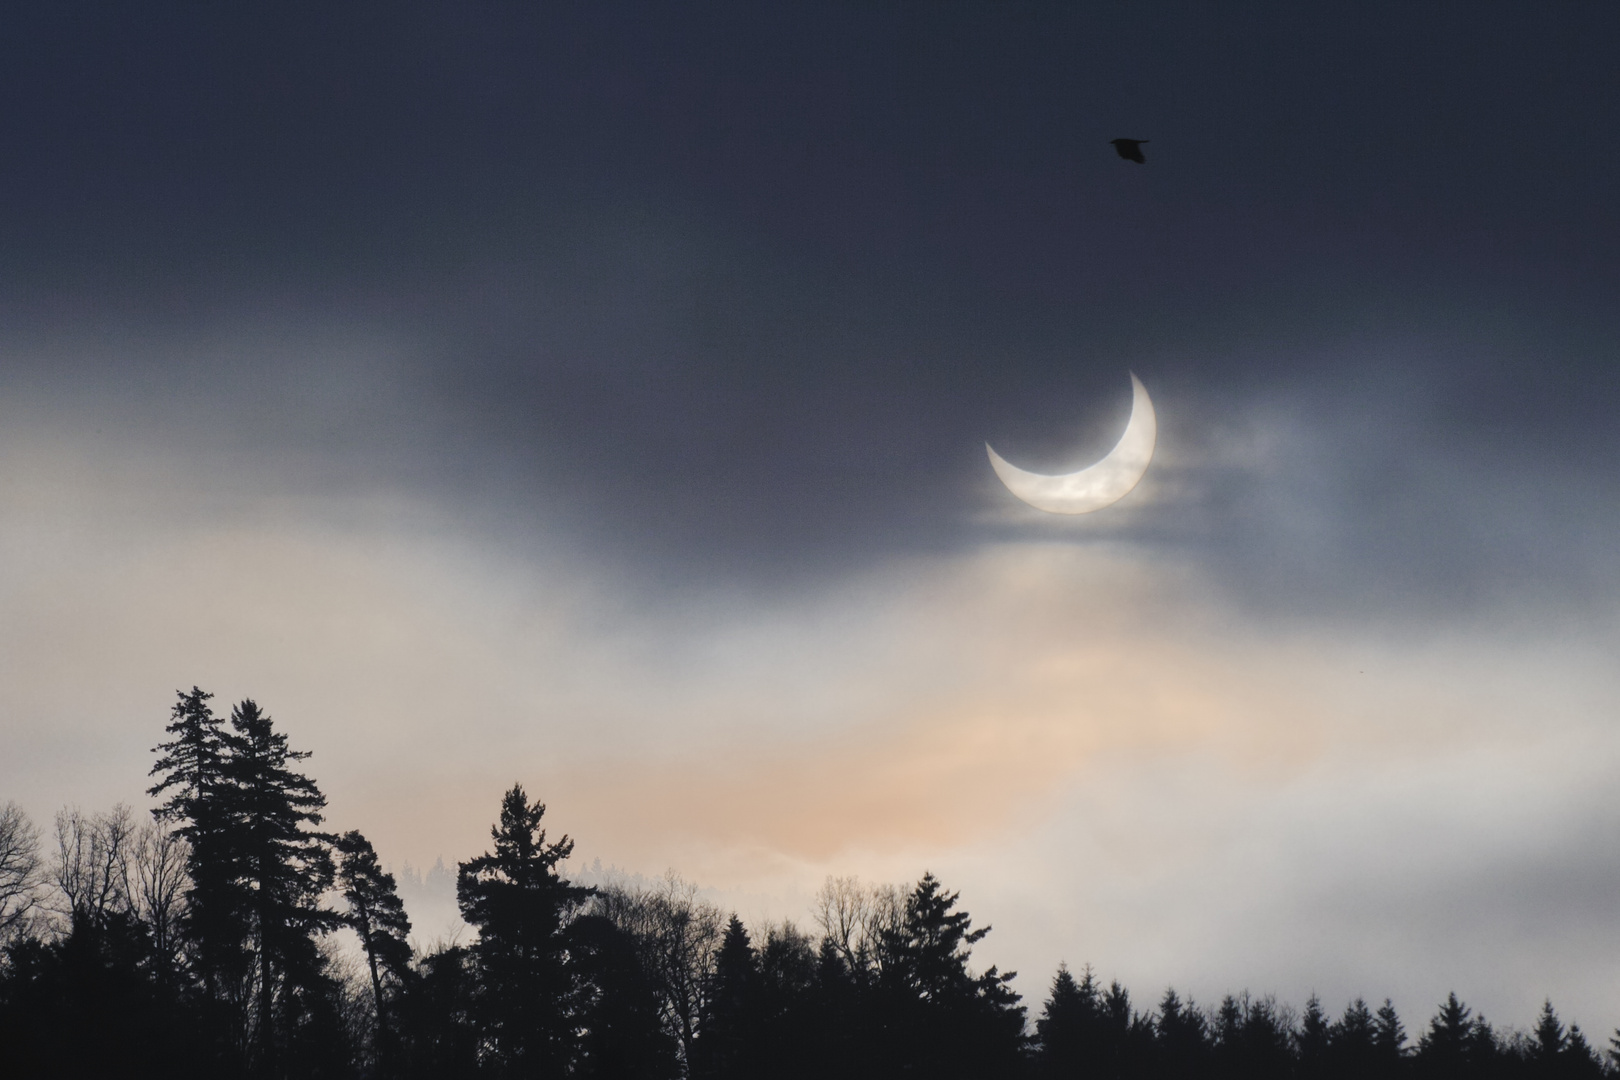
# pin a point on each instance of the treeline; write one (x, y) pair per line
(204, 943)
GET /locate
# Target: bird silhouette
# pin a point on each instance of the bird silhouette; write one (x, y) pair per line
(1130, 149)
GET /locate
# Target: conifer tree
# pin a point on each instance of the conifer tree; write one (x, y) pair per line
(1351, 1041)
(529, 990)
(286, 865)
(1444, 1050)
(1183, 1036)
(192, 766)
(1389, 1038)
(377, 915)
(1067, 1028)
(952, 1022)
(1311, 1041)
(723, 1043)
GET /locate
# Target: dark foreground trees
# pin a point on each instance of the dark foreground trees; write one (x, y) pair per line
(207, 944)
(530, 989)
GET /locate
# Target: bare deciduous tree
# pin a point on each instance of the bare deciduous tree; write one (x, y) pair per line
(19, 868)
(91, 870)
(676, 935)
(157, 886)
(853, 918)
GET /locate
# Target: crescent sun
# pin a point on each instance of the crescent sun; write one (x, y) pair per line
(1095, 486)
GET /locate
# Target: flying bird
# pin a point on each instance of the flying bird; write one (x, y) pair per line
(1130, 149)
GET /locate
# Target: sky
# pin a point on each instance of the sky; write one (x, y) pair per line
(595, 397)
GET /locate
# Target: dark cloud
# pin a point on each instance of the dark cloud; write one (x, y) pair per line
(737, 292)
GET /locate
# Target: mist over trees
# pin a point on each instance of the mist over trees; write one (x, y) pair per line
(227, 934)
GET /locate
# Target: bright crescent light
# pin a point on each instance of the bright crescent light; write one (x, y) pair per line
(1096, 486)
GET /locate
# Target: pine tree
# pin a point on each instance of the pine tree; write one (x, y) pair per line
(1352, 1041)
(377, 915)
(1068, 1028)
(193, 773)
(1183, 1036)
(1389, 1039)
(723, 1043)
(953, 1022)
(287, 865)
(529, 991)
(1549, 1039)
(1443, 1051)
(1311, 1041)
(1581, 1062)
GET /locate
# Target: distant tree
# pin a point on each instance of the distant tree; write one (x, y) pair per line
(528, 1003)
(377, 915)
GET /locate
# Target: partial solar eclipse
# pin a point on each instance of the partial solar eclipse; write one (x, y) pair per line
(1095, 486)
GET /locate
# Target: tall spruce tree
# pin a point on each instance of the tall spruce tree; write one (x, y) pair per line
(529, 988)
(286, 865)
(192, 767)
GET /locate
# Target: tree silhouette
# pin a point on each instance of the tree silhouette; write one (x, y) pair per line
(192, 766)
(1183, 1037)
(1068, 1028)
(19, 869)
(723, 1048)
(377, 915)
(947, 1020)
(1555, 1054)
(437, 1029)
(1449, 1048)
(192, 947)
(528, 996)
(623, 1036)
(1352, 1049)
(286, 866)
(1311, 1041)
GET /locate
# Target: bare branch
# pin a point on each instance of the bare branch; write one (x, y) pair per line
(19, 868)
